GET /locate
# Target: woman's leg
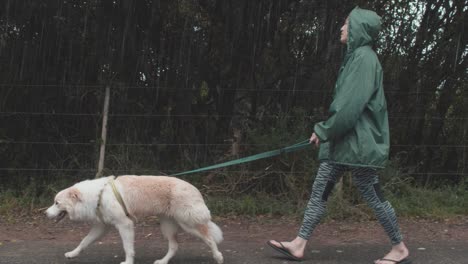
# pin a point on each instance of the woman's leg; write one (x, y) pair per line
(367, 181)
(327, 176)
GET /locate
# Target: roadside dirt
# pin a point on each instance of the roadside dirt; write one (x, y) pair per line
(257, 229)
(35, 240)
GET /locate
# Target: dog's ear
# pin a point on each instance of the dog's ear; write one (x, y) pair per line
(74, 194)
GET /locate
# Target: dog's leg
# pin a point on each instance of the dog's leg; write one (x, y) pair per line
(203, 232)
(127, 233)
(169, 229)
(97, 231)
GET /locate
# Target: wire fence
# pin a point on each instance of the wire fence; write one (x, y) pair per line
(198, 145)
(171, 88)
(123, 116)
(204, 115)
(226, 171)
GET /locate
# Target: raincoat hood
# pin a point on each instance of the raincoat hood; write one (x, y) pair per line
(363, 28)
(356, 132)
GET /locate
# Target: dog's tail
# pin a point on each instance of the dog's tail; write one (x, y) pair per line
(215, 232)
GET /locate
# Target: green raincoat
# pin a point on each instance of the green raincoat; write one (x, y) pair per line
(357, 133)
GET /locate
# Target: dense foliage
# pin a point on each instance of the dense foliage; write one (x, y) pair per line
(199, 82)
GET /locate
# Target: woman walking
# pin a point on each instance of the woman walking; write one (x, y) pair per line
(354, 138)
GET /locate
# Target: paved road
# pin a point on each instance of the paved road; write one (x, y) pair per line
(334, 242)
(193, 251)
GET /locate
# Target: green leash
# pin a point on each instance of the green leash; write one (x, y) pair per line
(292, 148)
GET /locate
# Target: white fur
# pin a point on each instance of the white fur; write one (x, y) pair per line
(177, 203)
(215, 232)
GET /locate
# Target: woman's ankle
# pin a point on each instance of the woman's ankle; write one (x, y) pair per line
(299, 242)
(401, 249)
(400, 246)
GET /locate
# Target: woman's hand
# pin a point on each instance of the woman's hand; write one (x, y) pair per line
(314, 139)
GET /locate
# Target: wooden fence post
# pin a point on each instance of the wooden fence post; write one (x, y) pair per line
(102, 151)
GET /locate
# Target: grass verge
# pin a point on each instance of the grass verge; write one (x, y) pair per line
(442, 203)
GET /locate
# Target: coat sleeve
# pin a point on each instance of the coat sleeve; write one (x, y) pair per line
(356, 89)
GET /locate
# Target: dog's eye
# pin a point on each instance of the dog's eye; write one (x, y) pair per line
(56, 202)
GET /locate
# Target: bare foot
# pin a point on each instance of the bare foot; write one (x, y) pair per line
(295, 247)
(398, 253)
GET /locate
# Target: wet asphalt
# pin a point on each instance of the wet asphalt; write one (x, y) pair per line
(51, 252)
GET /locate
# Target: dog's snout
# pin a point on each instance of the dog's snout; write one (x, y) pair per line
(50, 212)
(47, 213)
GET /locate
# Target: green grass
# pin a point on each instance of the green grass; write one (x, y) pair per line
(408, 201)
(440, 203)
(27, 199)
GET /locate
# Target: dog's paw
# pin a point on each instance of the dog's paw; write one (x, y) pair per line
(160, 261)
(71, 254)
(219, 258)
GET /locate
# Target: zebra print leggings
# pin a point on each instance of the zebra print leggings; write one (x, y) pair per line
(366, 180)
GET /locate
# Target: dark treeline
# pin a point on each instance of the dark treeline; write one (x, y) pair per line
(198, 82)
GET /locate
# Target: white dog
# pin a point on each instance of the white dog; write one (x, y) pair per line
(176, 203)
